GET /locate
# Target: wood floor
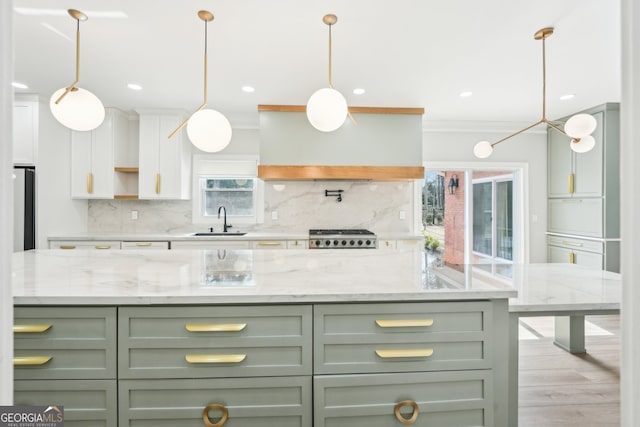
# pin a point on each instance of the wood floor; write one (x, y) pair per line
(561, 389)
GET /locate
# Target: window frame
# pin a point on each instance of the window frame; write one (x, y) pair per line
(226, 167)
(520, 171)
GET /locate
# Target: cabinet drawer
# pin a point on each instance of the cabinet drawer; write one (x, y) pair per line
(65, 342)
(298, 244)
(576, 216)
(576, 244)
(273, 402)
(189, 342)
(144, 245)
(85, 244)
(460, 398)
(86, 402)
(402, 337)
(269, 244)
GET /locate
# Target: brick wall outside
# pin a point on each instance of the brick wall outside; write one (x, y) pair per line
(454, 215)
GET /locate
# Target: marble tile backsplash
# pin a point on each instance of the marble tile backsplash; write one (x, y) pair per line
(300, 205)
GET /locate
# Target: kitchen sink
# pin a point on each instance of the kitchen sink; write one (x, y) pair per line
(218, 234)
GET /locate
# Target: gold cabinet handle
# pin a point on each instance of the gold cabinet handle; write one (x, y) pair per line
(215, 327)
(215, 358)
(572, 258)
(571, 183)
(404, 323)
(31, 329)
(157, 183)
(67, 246)
(414, 415)
(90, 183)
(565, 242)
(406, 353)
(30, 360)
(269, 243)
(296, 243)
(143, 244)
(102, 246)
(214, 407)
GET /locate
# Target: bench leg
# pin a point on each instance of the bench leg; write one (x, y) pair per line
(569, 334)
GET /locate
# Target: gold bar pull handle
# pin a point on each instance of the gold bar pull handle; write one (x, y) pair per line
(404, 323)
(572, 183)
(269, 243)
(214, 358)
(31, 329)
(143, 244)
(157, 183)
(566, 242)
(414, 414)
(102, 246)
(31, 360)
(67, 247)
(215, 407)
(215, 327)
(572, 258)
(90, 183)
(405, 353)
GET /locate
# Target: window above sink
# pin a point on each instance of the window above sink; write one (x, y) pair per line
(231, 182)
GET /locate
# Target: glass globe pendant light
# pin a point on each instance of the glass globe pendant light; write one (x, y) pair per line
(579, 127)
(327, 109)
(207, 129)
(76, 108)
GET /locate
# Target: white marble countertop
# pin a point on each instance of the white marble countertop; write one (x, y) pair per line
(127, 277)
(250, 235)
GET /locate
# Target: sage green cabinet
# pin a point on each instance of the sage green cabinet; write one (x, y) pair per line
(269, 401)
(459, 398)
(598, 254)
(584, 190)
(86, 402)
(67, 356)
(174, 342)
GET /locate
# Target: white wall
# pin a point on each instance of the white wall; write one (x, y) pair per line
(6, 202)
(56, 212)
(451, 143)
(630, 206)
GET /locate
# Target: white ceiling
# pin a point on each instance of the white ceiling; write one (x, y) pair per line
(404, 53)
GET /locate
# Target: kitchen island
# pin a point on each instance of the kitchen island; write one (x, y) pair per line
(280, 337)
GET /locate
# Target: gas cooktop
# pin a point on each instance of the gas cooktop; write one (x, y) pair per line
(342, 239)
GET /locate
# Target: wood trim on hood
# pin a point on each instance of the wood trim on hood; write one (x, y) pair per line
(309, 172)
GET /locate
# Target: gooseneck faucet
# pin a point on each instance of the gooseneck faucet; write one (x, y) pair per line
(225, 226)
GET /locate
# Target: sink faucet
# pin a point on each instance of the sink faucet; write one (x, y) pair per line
(225, 226)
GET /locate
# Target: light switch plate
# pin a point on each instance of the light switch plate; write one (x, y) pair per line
(274, 215)
(403, 215)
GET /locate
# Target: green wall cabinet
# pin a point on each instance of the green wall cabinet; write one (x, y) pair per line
(584, 192)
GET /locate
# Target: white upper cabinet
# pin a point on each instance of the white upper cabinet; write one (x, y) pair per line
(25, 130)
(92, 157)
(164, 164)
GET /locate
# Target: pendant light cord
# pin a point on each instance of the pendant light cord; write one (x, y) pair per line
(330, 56)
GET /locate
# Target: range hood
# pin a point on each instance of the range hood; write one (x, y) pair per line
(384, 144)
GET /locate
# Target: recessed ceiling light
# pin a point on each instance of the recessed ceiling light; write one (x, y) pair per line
(248, 89)
(359, 91)
(18, 85)
(134, 86)
(567, 96)
(465, 94)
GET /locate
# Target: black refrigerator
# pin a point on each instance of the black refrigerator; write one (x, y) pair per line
(24, 213)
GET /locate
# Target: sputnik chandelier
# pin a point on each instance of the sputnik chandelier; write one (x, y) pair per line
(579, 127)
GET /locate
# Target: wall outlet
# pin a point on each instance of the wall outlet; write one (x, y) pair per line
(274, 215)
(403, 215)
(134, 215)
